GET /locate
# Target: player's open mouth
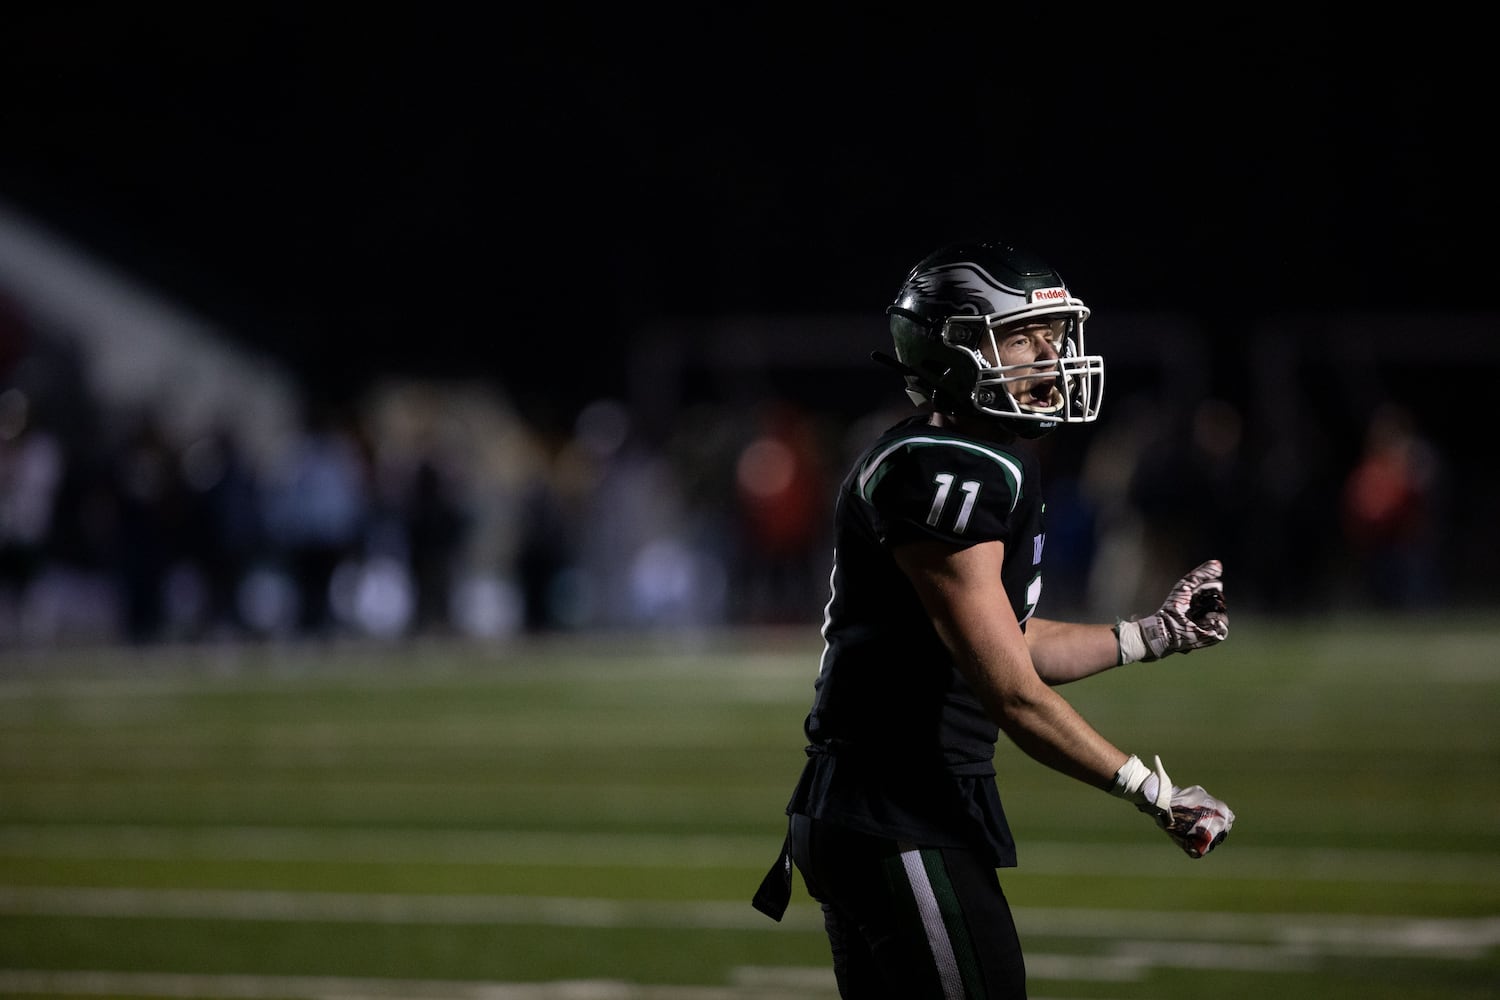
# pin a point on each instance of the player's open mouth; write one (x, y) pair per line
(1044, 396)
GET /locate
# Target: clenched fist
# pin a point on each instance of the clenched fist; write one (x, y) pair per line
(1194, 615)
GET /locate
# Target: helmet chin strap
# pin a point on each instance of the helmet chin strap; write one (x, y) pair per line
(880, 357)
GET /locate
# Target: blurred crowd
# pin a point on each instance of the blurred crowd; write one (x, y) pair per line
(440, 509)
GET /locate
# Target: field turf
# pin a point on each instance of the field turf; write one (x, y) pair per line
(586, 819)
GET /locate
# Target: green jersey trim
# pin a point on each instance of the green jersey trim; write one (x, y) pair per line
(876, 469)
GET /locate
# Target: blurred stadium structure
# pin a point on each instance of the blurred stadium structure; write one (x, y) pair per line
(158, 484)
(134, 349)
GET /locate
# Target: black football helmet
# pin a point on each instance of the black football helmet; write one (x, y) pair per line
(945, 317)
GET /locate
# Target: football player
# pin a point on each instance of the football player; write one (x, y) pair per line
(933, 648)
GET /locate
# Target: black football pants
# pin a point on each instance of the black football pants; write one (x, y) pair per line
(907, 922)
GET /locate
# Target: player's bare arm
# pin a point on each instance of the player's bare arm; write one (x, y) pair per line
(961, 591)
(1194, 615)
(1070, 651)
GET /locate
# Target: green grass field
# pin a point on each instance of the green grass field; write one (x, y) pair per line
(588, 820)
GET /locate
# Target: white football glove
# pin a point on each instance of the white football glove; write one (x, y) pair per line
(1193, 616)
(1195, 820)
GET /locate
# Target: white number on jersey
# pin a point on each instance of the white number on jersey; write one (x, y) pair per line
(970, 489)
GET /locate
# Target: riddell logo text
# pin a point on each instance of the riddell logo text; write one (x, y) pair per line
(1049, 295)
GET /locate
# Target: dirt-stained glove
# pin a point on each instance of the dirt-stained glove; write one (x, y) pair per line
(1195, 820)
(1193, 616)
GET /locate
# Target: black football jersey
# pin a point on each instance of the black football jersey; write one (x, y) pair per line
(899, 744)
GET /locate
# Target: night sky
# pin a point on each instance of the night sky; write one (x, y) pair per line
(436, 191)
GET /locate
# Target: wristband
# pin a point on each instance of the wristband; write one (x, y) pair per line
(1132, 643)
(1137, 783)
(1129, 778)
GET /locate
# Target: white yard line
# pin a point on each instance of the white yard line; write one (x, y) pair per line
(387, 908)
(1291, 936)
(1130, 943)
(501, 847)
(92, 983)
(381, 846)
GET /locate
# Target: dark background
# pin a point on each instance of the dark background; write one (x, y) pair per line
(433, 190)
(1282, 221)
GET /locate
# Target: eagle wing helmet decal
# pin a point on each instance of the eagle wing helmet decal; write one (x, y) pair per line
(965, 288)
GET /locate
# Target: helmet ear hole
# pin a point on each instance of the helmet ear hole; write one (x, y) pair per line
(962, 332)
